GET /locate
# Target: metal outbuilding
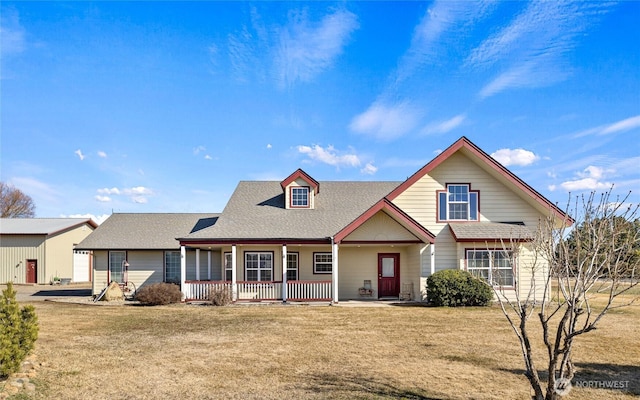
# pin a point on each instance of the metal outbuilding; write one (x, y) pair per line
(36, 250)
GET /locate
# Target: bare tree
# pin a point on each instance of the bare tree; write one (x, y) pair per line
(14, 203)
(573, 284)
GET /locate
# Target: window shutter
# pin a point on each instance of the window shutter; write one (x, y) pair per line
(442, 206)
(473, 206)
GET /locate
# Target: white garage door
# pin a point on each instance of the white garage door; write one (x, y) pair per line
(81, 266)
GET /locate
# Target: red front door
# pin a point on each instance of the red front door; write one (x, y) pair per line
(388, 275)
(32, 271)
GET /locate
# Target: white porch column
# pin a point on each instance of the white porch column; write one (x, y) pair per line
(334, 270)
(234, 276)
(284, 273)
(433, 258)
(197, 264)
(183, 271)
(209, 265)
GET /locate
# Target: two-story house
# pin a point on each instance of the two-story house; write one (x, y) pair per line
(302, 239)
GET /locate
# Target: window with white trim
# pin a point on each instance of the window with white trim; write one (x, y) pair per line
(495, 266)
(300, 197)
(258, 266)
(116, 265)
(292, 266)
(458, 203)
(228, 267)
(322, 263)
(172, 266)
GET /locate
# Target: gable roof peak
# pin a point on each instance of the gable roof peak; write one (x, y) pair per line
(299, 173)
(470, 149)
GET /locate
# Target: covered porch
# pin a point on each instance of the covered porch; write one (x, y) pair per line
(262, 272)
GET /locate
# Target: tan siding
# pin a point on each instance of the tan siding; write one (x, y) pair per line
(100, 267)
(357, 264)
(15, 250)
(498, 203)
(380, 227)
(145, 267)
(59, 252)
(530, 271)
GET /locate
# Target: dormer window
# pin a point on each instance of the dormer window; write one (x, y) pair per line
(458, 203)
(300, 190)
(300, 197)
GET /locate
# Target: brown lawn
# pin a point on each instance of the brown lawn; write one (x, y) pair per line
(298, 352)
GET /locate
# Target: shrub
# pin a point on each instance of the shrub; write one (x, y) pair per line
(453, 288)
(18, 331)
(158, 294)
(220, 296)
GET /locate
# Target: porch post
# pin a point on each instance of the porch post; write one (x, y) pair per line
(334, 270)
(433, 258)
(209, 265)
(284, 273)
(234, 276)
(183, 271)
(197, 264)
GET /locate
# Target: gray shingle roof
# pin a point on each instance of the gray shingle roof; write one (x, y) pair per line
(39, 226)
(145, 230)
(490, 231)
(256, 211)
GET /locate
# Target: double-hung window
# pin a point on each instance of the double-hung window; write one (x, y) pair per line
(116, 265)
(292, 266)
(172, 266)
(458, 203)
(258, 266)
(495, 266)
(322, 263)
(228, 266)
(300, 197)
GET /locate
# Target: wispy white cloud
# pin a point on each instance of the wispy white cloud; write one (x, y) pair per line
(608, 129)
(109, 191)
(36, 189)
(12, 33)
(386, 122)
(197, 150)
(269, 146)
(531, 50)
(520, 157)
(622, 126)
(79, 154)
(102, 154)
(208, 157)
(306, 49)
(439, 29)
(329, 155)
(297, 51)
(591, 178)
(444, 126)
(138, 190)
(369, 169)
(137, 194)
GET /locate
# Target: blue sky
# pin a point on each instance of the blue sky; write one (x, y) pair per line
(164, 107)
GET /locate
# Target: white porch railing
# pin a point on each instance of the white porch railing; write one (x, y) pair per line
(308, 290)
(256, 291)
